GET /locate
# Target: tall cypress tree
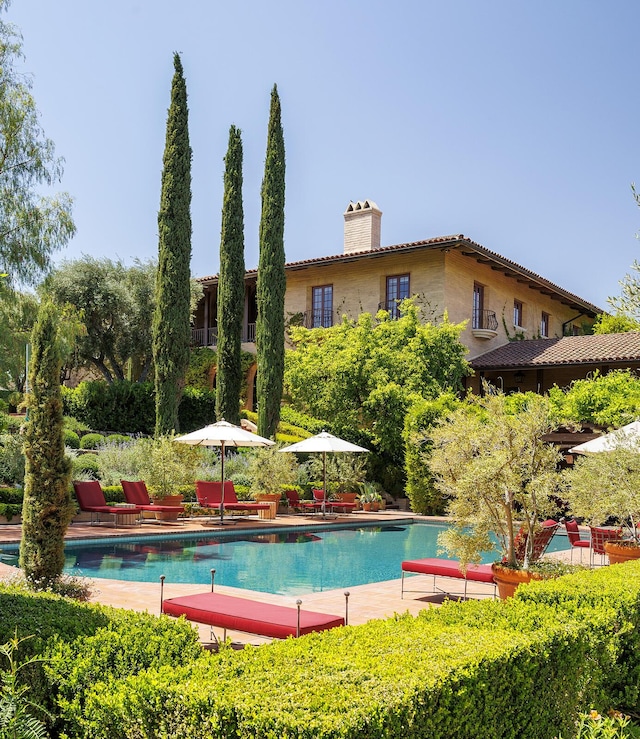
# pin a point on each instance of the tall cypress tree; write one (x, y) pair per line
(171, 329)
(47, 508)
(271, 278)
(231, 286)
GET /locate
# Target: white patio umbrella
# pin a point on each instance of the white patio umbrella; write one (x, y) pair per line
(323, 442)
(628, 435)
(223, 434)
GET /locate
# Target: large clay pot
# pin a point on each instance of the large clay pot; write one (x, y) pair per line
(168, 500)
(621, 551)
(508, 579)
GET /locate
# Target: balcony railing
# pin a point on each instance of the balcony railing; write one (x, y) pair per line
(484, 320)
(318, 318)
(209, 336)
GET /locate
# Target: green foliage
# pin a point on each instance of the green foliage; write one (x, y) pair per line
(18, 313)
(420, 419)
(464, 671)
(117, 439)
(9, 510)
(167, 464)
(171, 329)
(72, 424)
(614, 324)
(288, 414)
(271, 284)
(121, 406)
(616, 725)
(197, 409)
(606, 400)
(47, 507)
(12, 461)
(496, 472)
(18, 714)
(91, 441)
(270, 469)
(85, 467)
(201, 360)
(33, 226)
(231, 286)
(71, 439)
(607, 485)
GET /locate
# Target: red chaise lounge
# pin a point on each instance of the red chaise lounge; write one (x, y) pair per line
(249, 616)
(137, 493)
(209, 495)
(448, 568)
(91, 499)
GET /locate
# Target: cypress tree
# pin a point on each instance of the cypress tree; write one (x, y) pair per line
(271, 278)
(171, 320)
(47, 508)
(231, 286)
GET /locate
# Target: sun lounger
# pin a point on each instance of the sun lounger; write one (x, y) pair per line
(137, 493)
(249, 616)
(448, 568)
(91, 499)
(209, 495)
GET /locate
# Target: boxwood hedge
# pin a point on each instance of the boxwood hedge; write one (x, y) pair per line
(521, 668)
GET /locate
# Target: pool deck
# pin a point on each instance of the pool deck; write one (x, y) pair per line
(366, 602)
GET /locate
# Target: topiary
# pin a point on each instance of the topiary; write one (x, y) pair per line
(91, 441)
(86, 465)
(118, 439)
(71, 439)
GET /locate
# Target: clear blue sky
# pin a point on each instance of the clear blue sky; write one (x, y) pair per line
(513, 123)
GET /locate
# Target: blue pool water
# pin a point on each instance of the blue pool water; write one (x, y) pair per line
(286, 562)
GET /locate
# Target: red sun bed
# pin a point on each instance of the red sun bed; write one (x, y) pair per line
(448, 568)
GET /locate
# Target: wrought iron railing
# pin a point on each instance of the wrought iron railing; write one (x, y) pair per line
(484, 319)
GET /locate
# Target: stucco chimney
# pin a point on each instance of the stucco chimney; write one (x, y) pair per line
(362, 226)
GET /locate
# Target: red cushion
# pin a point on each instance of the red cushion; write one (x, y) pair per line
(253, 617)
(89, 493)
(135, 492)
(448, 568)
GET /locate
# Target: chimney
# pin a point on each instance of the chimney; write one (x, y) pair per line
(362, 226)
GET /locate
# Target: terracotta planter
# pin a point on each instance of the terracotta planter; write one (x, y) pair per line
(168, 500)
(508, 580)
(621, 551)
(366, 506)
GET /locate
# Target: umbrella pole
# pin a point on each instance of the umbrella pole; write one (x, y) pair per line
(324, 488)
(222, 475)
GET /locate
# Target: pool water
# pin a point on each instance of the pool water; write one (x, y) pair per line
(286, 562)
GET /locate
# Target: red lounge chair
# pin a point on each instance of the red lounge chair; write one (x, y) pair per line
(573, 534)
(249, 616)
(541, 539)
(295, 503)
(344, 503)
(137, 493)
(91, 499)
(448, 568)
(209, 495)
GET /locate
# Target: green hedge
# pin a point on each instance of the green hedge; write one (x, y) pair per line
(9, 510)
(91, 441)
(11, 495)
(521, 668)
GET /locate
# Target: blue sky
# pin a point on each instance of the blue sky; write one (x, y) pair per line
(513, 123)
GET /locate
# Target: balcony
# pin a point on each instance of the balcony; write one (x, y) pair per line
(209, 336)
(318, 318)
(484, 324)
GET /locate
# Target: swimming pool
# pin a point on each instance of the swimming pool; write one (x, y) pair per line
(286, 562)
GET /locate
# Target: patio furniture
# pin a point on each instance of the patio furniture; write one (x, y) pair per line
(573, 534)
(295, 504)
(541, 539)
(137, 493)
(449, 568)
(599, 536)
(210, 495)
(91, 499)
(249, 616)
(344, 502)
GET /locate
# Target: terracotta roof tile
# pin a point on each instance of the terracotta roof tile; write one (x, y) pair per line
(599, 349)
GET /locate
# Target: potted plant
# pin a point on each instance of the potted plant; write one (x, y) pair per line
(498, 478)
(606, 486)
(271, 473)
(370, 498)
(166, 467)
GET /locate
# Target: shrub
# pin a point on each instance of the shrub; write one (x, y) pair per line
(9, 510)
(71, 439)
(197, 409)
(122, 406)
(12, 461)
(91, 441)
(73, 424)
(11, 495)
(85, 466)
(118, 439)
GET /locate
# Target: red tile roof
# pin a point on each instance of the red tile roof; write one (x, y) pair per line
(600, 349)
(465, 245)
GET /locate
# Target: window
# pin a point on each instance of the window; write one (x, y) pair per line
(544, 324)
(322, 306)
(397, 291)
(518, 314)
(478, 306)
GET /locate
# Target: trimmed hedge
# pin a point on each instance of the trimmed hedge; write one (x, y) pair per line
(91, 441)
(524, 668)
(9, 510)
(12, 495)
